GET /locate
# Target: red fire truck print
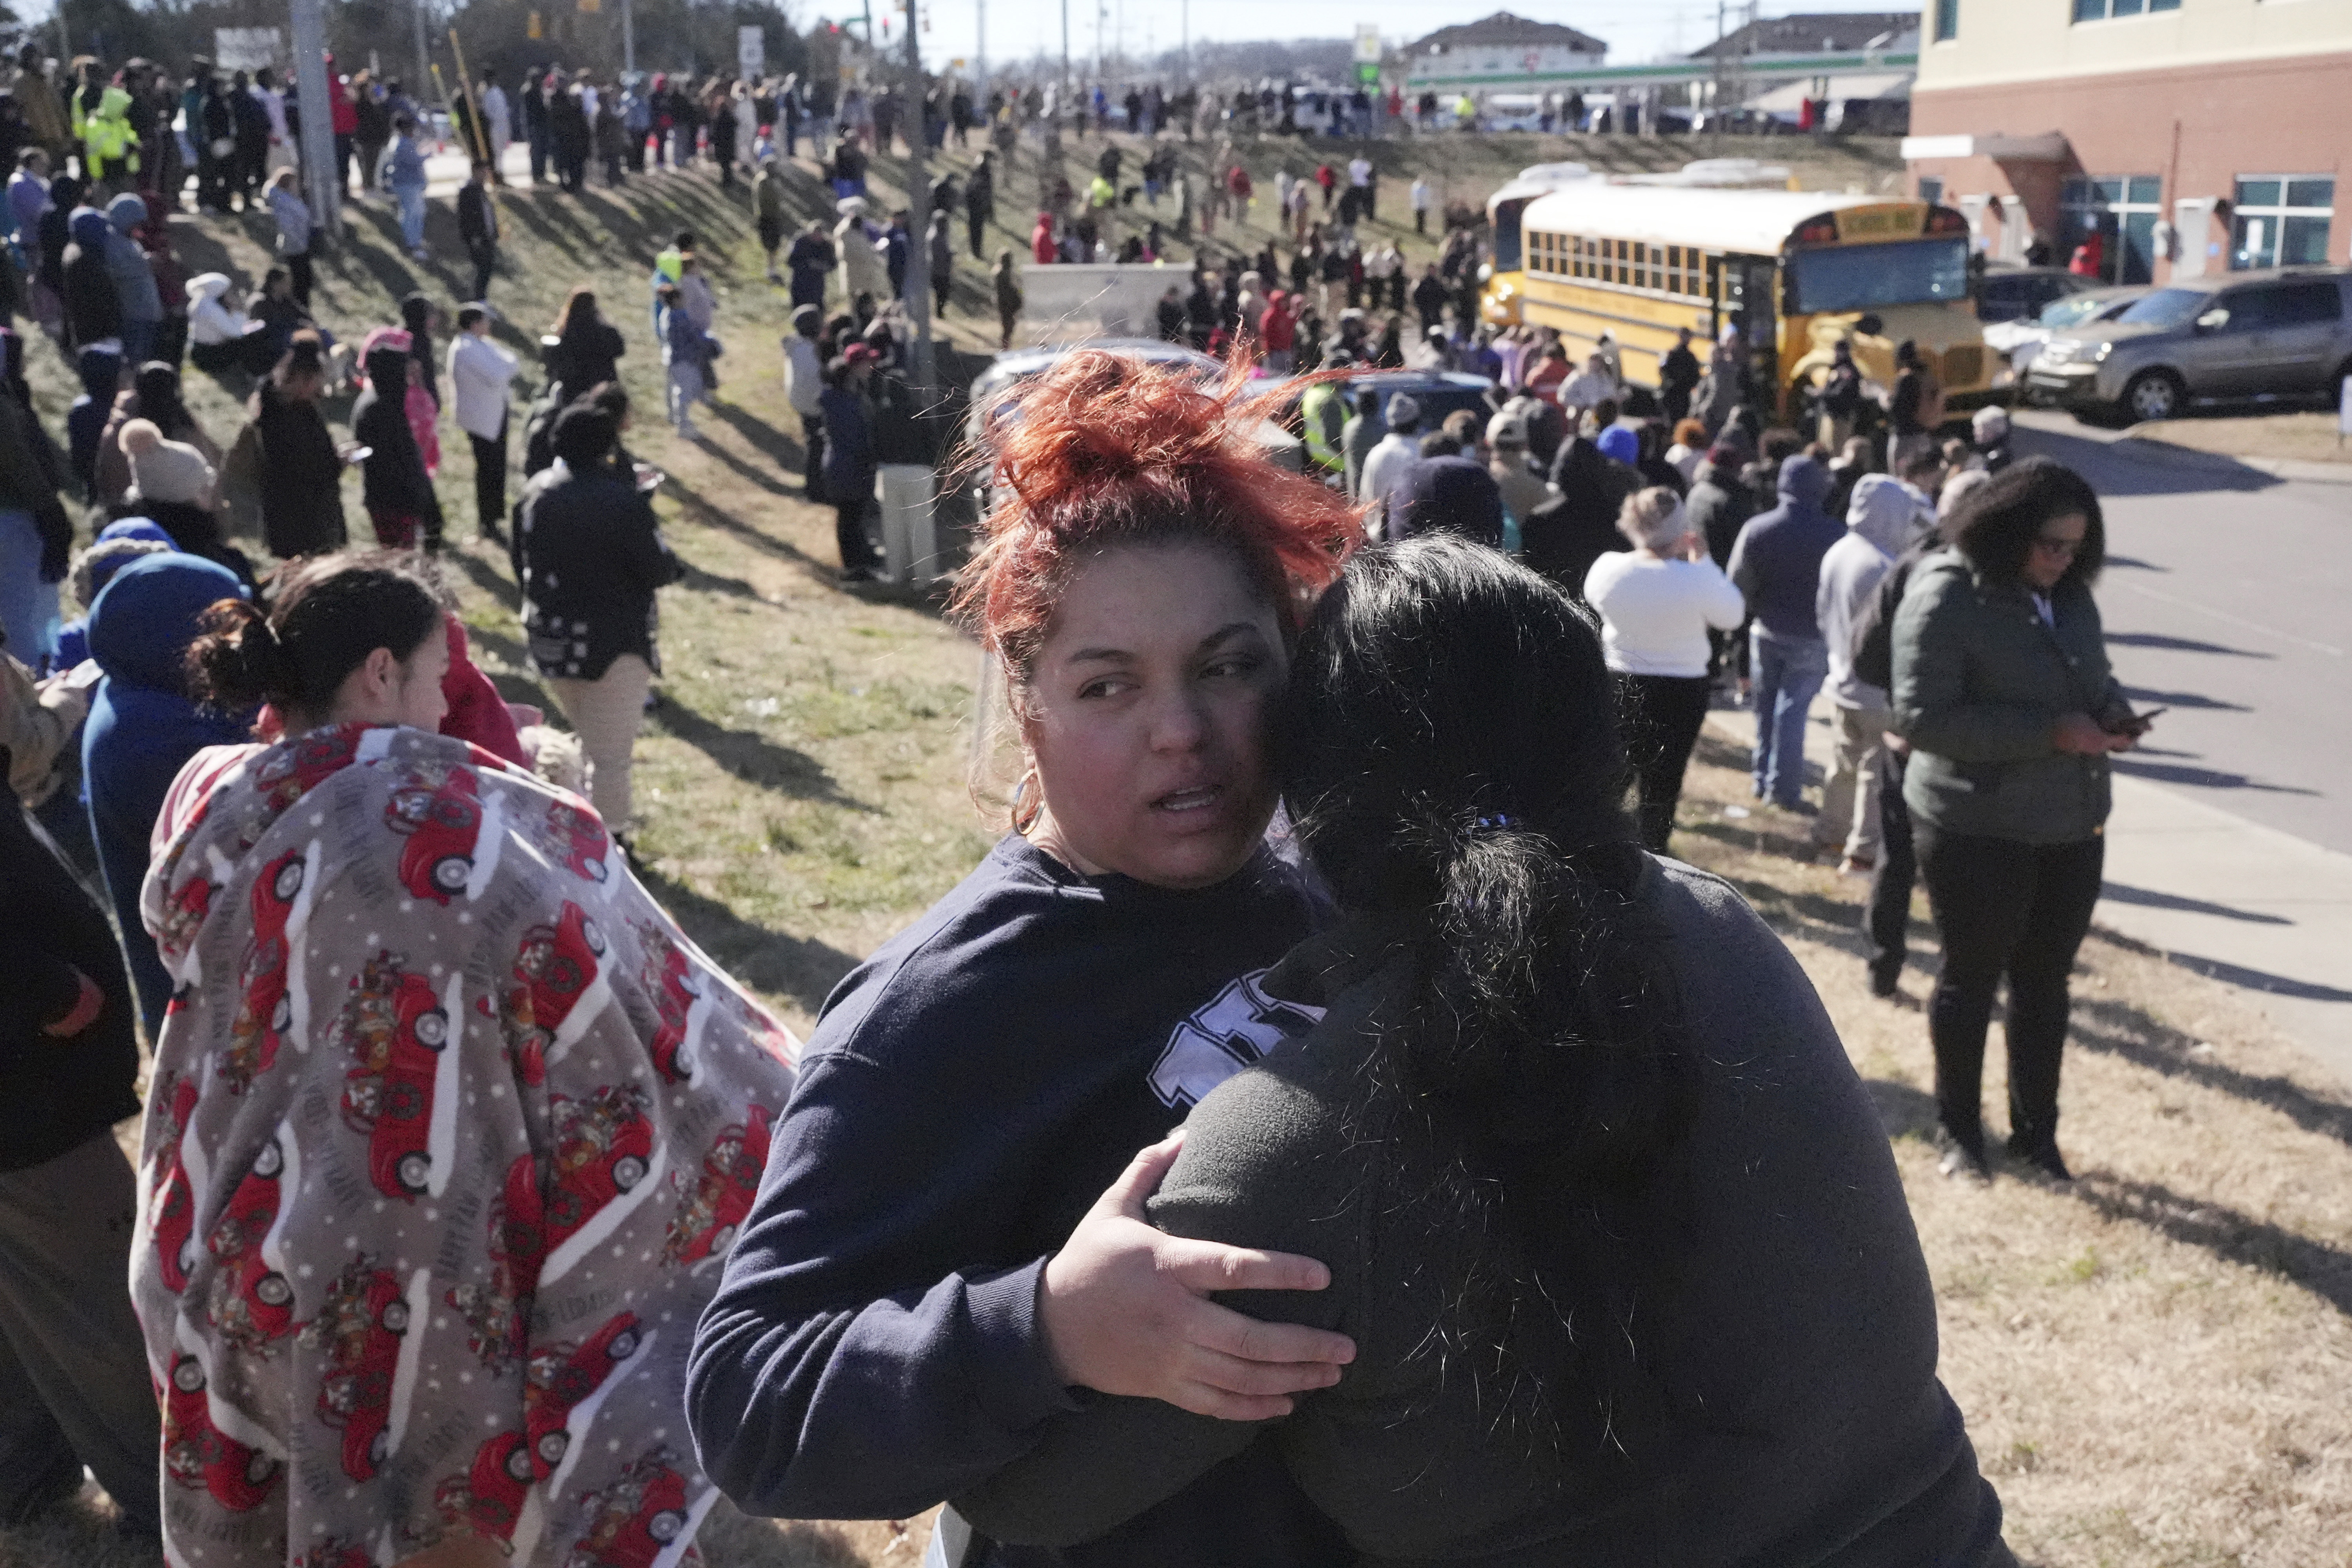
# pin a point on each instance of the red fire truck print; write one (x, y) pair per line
(252, 1304)
(442, 813)
(577, 839)
(720, 1194)
(401, 1090)
(565, 1386)
(272, 973)
(333, 1553)
(289, 773)
(498, 1313)
(638, 1520)
(678, 1001)
(560, 988)
(605, 1162)
(197, 1453)
(365, 1328)
(175, 1187)
(494, 1496)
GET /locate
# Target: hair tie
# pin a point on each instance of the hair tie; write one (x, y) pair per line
(1499, 821)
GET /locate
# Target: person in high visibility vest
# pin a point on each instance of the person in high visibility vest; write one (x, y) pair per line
(1324, 415)
(109, 147)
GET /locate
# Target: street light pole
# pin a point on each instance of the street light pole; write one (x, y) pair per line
(319, 171)
(628, 41)
(917, 296)
(424, 58)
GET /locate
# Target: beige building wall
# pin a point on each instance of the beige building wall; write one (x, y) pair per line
(2003, 42)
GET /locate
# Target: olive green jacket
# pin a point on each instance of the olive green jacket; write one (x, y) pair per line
(1979, 682)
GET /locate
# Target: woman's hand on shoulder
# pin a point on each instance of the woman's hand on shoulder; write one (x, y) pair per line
(1125, 1310)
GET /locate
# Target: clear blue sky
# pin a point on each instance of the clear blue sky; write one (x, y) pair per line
(1636, 30)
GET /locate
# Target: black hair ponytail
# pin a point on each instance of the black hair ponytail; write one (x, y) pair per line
(237, 662)
(1449, 747)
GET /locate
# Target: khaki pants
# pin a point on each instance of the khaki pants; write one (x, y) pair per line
(1849, 799)
(608, 712)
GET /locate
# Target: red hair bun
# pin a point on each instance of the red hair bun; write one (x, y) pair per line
(1106, 449)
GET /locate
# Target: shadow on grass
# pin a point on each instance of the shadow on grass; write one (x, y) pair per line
(700, 509)
(2119, 1029)
(798, 967)
(1903, 1110)
(787, 451)
(751, 757)
(2325, 1271)
(486, 577)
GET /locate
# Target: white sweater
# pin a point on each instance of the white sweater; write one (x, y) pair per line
(1655, 614)
(478, 373)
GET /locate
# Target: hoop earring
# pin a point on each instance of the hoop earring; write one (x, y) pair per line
(1028, 803)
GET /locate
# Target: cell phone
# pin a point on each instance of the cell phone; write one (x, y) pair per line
(85, 675)
(358, 454)
(2137, 723)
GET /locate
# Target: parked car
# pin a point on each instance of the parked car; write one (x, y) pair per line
(2007, 293)
(2282, 332)
(1439, 393)
(2019, 341)
(1010, 369)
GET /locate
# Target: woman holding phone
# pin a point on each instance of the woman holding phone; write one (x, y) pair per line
(945, 1252)
(2003, 690)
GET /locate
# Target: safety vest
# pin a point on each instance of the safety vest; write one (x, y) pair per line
(1322, 409)
(109, 140)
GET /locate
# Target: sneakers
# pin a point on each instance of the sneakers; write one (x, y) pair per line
(1964, 1159)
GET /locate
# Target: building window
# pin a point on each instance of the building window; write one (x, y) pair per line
(1948, 20)
(2122, 210)
(2102, 10)
(2281, 220)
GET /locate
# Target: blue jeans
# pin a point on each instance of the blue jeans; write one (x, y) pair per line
(28, 607)
(1788, 671)
(412, 215)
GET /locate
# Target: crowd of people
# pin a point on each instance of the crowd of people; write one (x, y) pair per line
(478, 1212)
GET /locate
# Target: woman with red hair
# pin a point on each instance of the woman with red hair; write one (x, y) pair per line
(950, 1246)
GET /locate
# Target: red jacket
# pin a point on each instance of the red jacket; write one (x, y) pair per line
(341, 111)
(477, 712)
(1041, 241)
(1276, 328)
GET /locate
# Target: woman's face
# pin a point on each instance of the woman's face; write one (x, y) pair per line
(2055, 544)
(1145, 717)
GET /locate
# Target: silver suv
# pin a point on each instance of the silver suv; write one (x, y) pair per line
(2285, 332)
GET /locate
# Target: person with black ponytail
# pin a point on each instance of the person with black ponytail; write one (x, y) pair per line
(1607, 1214)
(443, 1097)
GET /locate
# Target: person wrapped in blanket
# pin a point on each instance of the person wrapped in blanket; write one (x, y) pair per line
(450, 1127)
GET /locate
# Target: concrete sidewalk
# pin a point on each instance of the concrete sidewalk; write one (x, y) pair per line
(2262, 911)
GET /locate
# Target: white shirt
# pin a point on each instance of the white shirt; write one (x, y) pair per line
(1585, 388)
(1655, 614)
(273, 103)
(1421, 195)
(1359, 172)
(1382, 464)
(804, 373)
(495, 113)
(478, 373)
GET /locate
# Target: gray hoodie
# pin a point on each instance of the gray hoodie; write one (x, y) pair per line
(1881, 521)
(126, 263)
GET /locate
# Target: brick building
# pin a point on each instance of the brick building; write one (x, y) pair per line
(2193, 136)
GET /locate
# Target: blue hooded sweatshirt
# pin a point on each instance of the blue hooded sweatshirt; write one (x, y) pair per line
(1776, 560)
(99, 368)
(143, 727)
(126, 263)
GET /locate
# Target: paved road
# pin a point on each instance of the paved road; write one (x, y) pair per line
(2228, 597)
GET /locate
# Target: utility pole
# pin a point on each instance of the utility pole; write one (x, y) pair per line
(424, 58)
(628, 42)
(980, 72)
(1065, 51)
(918, 199)
(319, 171)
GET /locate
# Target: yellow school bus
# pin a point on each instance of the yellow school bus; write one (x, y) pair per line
(1793, 270)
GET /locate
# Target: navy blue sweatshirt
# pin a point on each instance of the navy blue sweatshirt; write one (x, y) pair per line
(1776, 559)
(875, 1344)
